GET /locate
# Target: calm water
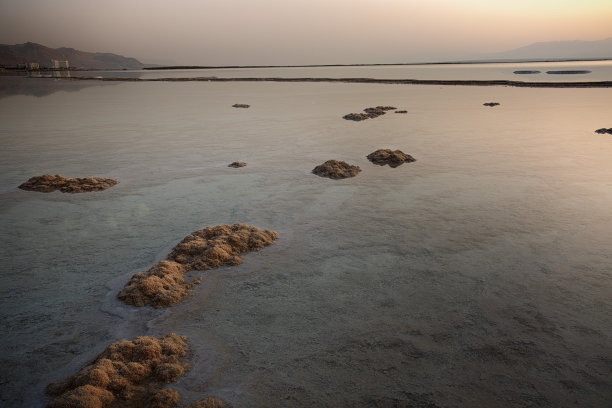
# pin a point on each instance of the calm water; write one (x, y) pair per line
(599, 71)
(477, 276)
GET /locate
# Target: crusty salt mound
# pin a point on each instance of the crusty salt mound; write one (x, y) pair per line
(491, 104)
(393, 158)
(215, 246)
(209, 402)
(357, 116)
(603, 131)
(370, 113)
(48, 183)
(237, 164)
(335, 169)
(161, 285)
(241, 105)
(164, 283)
(126, 374)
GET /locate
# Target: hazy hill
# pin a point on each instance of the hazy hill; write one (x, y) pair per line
(601, 49)
(11, 55)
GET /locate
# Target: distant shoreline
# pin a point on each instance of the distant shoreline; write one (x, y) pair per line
(521, 84)
(180, 67)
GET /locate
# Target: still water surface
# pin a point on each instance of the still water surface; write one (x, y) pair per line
(477, 276)
(589, 71)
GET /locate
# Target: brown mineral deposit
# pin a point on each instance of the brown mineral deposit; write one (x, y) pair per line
(393, 158)
(126, 374)
(164, 283)
(603, 131)
(335, 169)
(48, 183)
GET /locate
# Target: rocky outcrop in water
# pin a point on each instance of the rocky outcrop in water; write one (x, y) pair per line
(491, 103)
(370, 113)
(237, 164)
(393, 158)
(401, 111)
(241, 105)
(164, 283)
(126, 374)
(569, 72)
(335, 169)
(603, 131)
(48, 183)
(526, 72)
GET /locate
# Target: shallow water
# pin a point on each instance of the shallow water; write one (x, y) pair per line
(477, 276)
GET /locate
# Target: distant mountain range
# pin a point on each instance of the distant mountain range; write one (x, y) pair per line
(555, 50)
(12, 55)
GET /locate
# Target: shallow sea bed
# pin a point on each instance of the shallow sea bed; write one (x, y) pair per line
(478, 275)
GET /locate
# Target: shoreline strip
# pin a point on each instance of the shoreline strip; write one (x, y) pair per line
(521, 84)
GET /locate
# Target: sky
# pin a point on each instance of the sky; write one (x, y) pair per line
(294, 32)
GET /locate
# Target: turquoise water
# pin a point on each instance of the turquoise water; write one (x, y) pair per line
(477, 276)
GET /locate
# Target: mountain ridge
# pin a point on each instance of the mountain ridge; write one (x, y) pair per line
(566, 50)
(12, 55)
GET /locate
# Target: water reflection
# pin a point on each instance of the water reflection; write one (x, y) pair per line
(39, 84)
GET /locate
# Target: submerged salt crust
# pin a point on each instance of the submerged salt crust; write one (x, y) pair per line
(478, 275)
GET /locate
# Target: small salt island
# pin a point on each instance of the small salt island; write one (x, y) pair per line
(603, 131)
(393, 158)
(241, 105)
(491, 104)
(48, 183)
(569, 72)
(335, 169)
(164, 283)
(237, 164)
(370, 113)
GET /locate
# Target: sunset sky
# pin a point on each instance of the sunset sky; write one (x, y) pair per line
(260, 32)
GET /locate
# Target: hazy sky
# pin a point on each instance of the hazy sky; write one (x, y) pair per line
(259, 32)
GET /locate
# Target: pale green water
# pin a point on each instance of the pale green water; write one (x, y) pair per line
(477, 276)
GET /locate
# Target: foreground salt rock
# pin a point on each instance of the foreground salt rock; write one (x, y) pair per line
(164, 284)
(126, 374)
(393, 158)
(237, 164)
(48, 183)
(370, 113)
(335, 169)
(241, 105)
(491, 104)
(603, 131)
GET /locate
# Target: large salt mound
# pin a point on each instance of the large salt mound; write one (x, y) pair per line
(164, 283)
(126, 374)
(335, 169)
(48, 183)
(393, 158)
